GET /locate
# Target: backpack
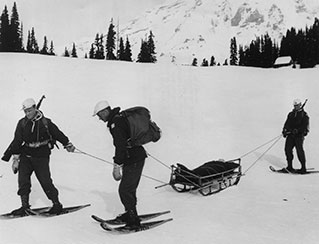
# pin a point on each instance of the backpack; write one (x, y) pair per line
(142, 129)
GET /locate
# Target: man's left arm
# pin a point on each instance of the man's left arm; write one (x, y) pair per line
(58, 135)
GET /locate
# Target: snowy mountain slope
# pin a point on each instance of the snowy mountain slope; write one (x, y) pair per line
(205, 113)
(202, 28)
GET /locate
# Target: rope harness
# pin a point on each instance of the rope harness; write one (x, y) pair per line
(274, 140)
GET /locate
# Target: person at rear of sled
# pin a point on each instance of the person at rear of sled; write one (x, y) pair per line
(128, 161)
(295, 129)
(31, 148)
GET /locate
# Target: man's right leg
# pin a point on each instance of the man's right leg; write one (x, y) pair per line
(301, 154)
(127, 191)
(289, 145)
(42, 171)
(24, 182)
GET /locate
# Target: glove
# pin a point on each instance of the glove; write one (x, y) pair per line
(69, 147)
(15, 163)
(117, 175)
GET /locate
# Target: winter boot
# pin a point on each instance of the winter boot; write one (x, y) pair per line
(303, 169)
(289, 167)
(122, 218)
(23, 210)
(133, 221)
(56, 208)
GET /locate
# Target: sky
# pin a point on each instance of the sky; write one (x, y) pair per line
(67, 21)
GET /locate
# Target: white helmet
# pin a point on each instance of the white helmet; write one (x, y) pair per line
(100, 106)
(297, 102)
(28, 103)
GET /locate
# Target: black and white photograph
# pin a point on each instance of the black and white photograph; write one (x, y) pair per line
(159, 121)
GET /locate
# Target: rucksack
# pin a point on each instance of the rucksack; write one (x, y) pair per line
(142, 129)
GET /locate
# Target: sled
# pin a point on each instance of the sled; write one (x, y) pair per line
(208, 179)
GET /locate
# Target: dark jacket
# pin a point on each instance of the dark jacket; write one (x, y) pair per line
(297, 123)
(120, 131)
(34, 131)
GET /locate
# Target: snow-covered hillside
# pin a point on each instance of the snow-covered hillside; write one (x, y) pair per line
(185, 29)
(205, 114)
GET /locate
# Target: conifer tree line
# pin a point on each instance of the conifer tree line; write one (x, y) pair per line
(11, 40)
(301, 45)
(111, 51)
(11, 35)
(10, 31)
(262, 52)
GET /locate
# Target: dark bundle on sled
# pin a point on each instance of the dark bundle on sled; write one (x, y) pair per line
(209, 178)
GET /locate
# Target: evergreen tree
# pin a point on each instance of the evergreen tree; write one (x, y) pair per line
(233, 52)
(194, 63)
(66, 53)
(110, 42)
(241, 54)
(22, 47)
(151, 48)
(270, 53)
(204, 63)
(121, 50)
(101, 47)
(73, 53)
(32, 45)
(212, 61)
(5, 31)
(147, 53)
(51, 50)
(127, 51)
(316, 39)
(98, 52)
(45, 48)
(29, 46)
(15, 31)
(143, 56)
(92, 52)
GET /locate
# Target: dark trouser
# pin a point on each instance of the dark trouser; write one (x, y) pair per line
(296, 142)
(131, 176)
(40, 166)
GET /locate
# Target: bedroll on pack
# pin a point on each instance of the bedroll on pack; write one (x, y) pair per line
(142, 129)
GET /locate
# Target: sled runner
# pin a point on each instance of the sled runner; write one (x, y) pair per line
(207, 179)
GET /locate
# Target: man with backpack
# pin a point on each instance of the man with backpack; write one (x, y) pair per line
(34, 138)
(295, 129)
(128, 160)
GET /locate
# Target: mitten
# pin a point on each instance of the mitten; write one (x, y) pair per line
(117, 175)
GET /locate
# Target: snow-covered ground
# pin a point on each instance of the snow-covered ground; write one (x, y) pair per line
(205, 114)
